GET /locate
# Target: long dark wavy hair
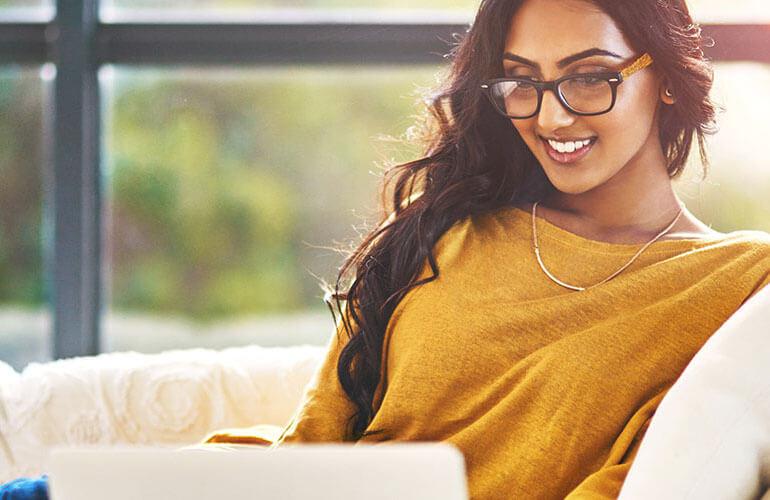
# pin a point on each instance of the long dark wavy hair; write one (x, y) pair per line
(475, 161)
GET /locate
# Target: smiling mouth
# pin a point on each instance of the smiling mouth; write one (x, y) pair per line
(568, 151)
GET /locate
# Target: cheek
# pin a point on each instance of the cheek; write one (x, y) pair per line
(526, 129)
(634, 111)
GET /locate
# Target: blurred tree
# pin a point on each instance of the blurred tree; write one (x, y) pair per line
(21, 261)
(220, 187)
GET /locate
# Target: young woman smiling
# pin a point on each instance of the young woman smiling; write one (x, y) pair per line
(538, 286)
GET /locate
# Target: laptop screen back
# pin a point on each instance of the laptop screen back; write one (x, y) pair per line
(403, 471)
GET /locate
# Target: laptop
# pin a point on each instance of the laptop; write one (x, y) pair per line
(339, 471)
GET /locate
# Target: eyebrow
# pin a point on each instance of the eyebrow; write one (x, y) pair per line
(567, 60)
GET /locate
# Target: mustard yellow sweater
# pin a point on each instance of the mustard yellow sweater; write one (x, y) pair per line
(546, 391)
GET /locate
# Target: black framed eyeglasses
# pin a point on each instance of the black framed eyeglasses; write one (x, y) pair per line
(585, 94)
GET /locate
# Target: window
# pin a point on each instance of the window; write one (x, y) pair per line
(226, 143)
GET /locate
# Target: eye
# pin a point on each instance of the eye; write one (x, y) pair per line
(587, 81)
(518, 88)
(525, 79)
(523, 87)
(523, 74)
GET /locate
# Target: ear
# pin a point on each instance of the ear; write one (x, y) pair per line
(666, 93)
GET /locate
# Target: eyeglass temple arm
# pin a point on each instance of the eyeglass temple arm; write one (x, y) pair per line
(641, 63)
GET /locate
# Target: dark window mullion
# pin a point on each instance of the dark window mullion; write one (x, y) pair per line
(189, 43)
(75, 162)
(737, 42)
(275, 43)
(23, 42)
(351, 43)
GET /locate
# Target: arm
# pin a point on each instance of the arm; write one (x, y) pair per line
(711, 430)
(711, 438)
(606, 482)
(321, 415)
(325, 409)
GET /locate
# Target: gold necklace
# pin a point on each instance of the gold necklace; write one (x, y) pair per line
(580, 288)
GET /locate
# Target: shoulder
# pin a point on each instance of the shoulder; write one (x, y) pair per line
(472, 241)
(751, 240)
(745, 254)
(748, 253)
(690, 227)
(481, 226)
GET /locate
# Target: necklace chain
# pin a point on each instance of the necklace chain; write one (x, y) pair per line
(622, 268)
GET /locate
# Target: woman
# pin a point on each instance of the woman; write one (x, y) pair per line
(535, 301)
(539, 286)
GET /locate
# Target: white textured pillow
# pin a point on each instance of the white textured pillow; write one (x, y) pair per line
(710, 437)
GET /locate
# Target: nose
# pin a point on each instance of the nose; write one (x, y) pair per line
(552, 114)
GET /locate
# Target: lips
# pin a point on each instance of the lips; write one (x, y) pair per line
(566, 157)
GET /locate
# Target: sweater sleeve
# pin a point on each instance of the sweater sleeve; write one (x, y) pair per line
(322, 414)
(325, 409)
(606, 482)
(763, 282)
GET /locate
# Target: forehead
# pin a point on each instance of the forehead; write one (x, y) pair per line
(548, 30)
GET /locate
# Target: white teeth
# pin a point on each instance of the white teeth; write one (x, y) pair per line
(569, 146)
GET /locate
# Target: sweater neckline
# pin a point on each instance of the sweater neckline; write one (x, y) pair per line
(551, 230)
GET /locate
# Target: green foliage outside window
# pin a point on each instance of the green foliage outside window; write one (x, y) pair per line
(219, 189)
(21, 184)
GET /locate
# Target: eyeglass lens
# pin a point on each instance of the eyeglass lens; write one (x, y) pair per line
(582, 94)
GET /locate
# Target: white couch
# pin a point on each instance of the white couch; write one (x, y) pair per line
(170, 399)
(710, 437)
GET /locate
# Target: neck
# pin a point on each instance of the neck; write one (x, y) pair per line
(638, 199)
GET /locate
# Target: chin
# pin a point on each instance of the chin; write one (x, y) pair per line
(573, 185)
(573, 189)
